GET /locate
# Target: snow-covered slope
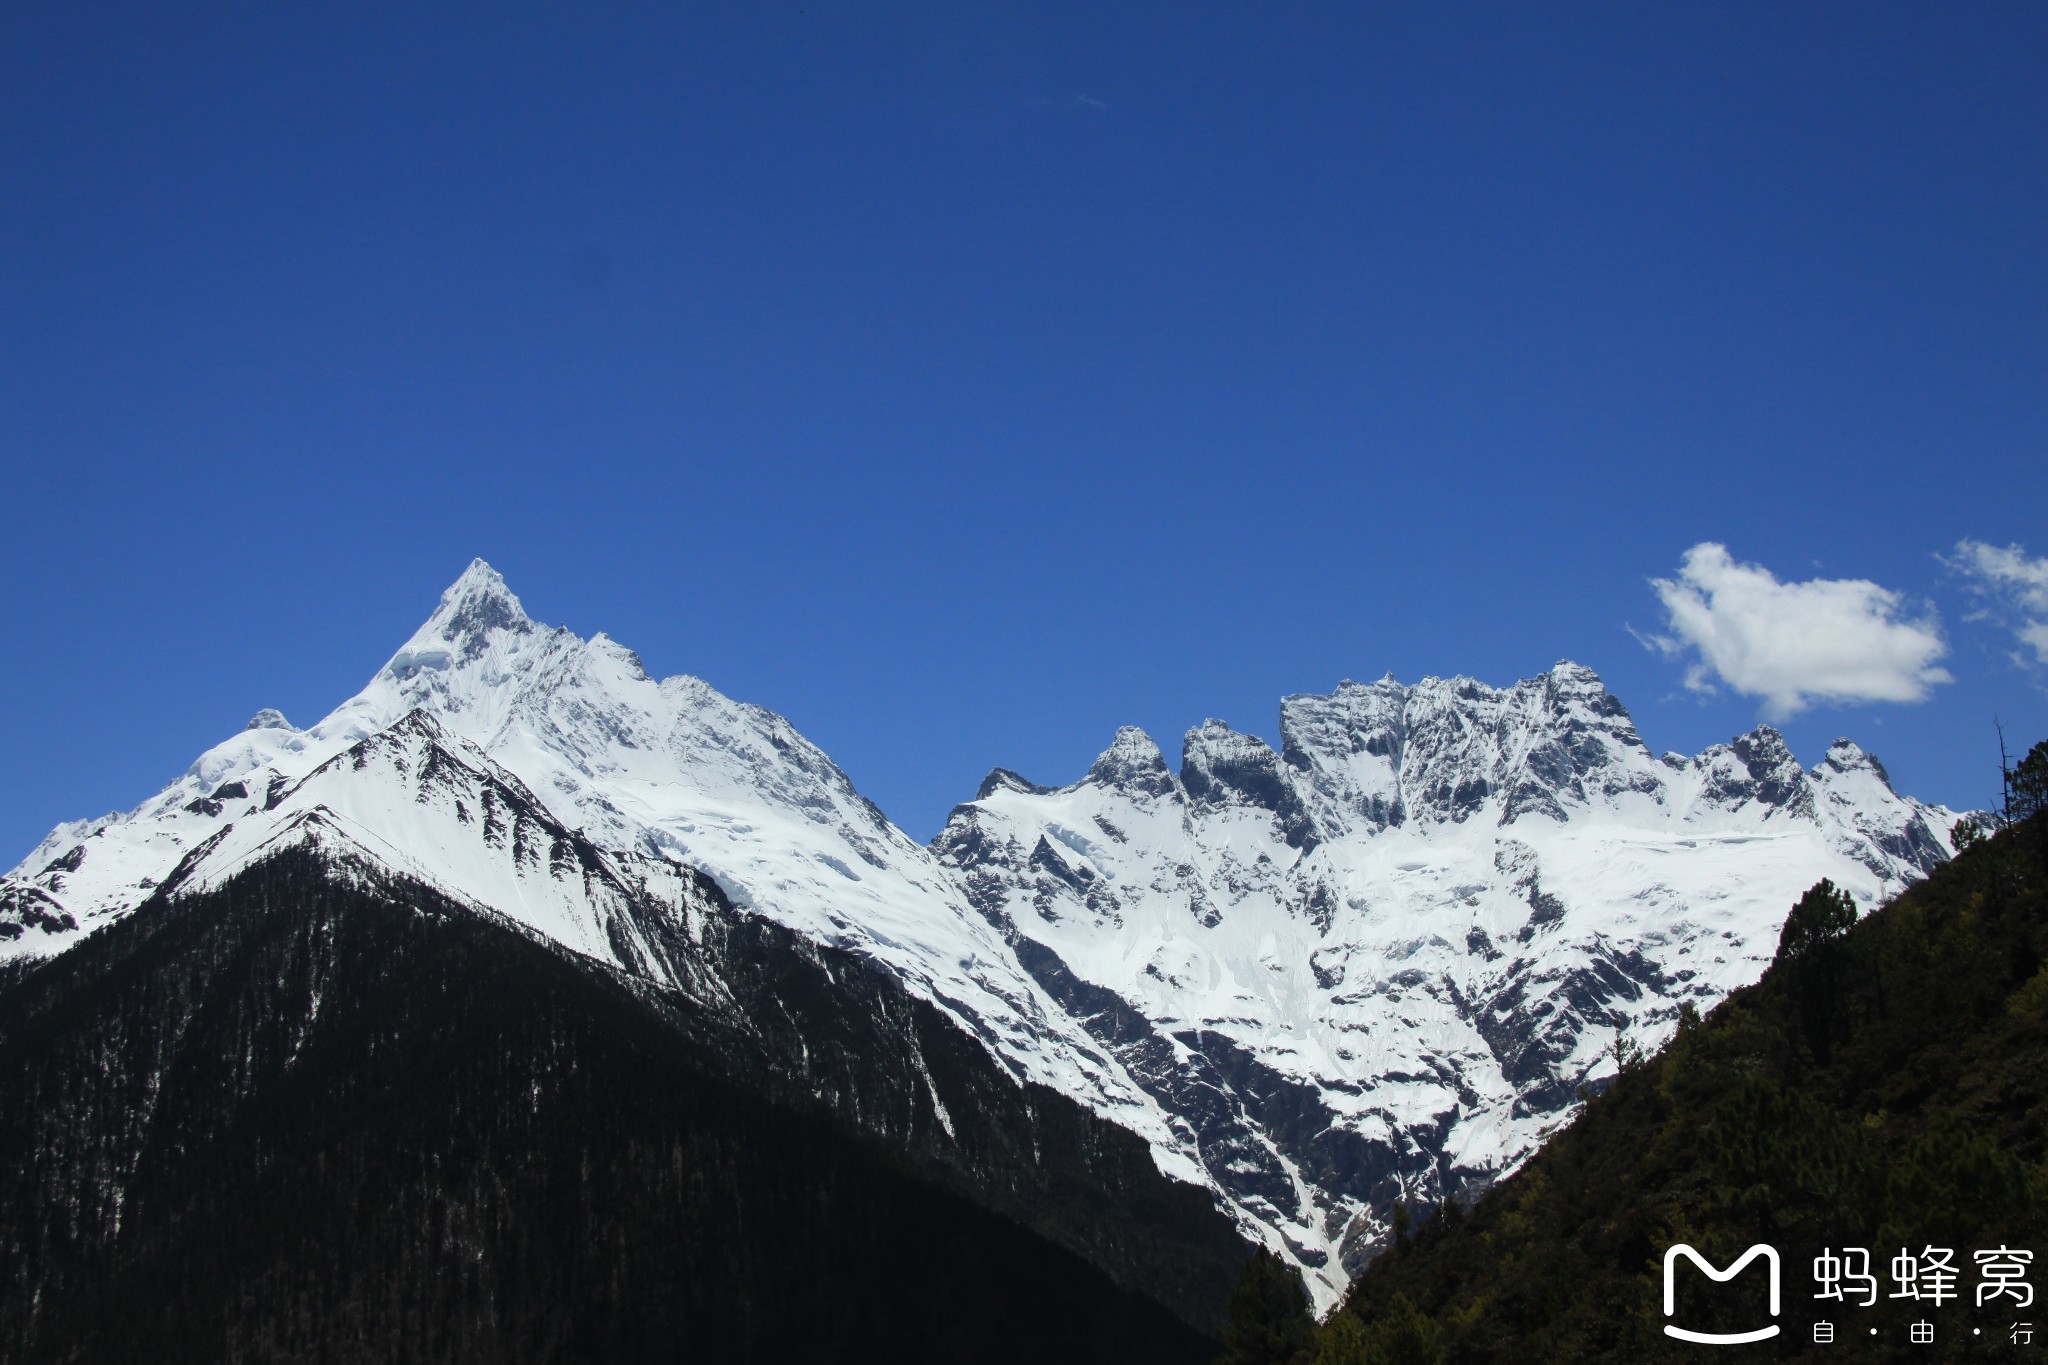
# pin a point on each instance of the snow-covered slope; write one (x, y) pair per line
(1378, 964)
(670, 769)
(1374, 965)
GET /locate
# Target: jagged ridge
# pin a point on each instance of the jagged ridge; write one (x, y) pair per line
(1375, 963)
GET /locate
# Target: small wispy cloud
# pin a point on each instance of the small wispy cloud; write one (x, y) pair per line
(1834, 639)
(2013, 589)
(1076, 100)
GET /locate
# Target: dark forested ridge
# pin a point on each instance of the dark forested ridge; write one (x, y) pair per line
(316, 1118)
(1884, 1086)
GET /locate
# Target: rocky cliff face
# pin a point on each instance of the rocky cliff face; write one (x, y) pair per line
(1378, 964)
(1373, 965)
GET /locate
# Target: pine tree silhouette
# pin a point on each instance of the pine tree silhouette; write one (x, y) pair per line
(1270, 1322)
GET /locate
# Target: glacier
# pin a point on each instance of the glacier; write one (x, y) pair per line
(1376, 965)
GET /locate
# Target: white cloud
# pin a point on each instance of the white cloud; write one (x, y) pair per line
(1834, 639)
(2014, 588)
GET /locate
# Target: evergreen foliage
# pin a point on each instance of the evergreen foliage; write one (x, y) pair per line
(299, 1119)
(1270, 1322)
(1400, 1335)
(1813, 962)
(2027, 785)
(1822, 916)
(1885, 1085)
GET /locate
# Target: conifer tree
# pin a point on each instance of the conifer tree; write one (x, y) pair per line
(1270, 1322)
(1822, 915)
(2027, 785)
(1809, 951)
(1402, 1334)
(1399, 1334)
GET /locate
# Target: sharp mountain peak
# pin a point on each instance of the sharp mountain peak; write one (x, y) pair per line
(1328, 924)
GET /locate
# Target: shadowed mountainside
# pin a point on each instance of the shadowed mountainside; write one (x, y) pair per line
(312, 1115)
(1883, 1087)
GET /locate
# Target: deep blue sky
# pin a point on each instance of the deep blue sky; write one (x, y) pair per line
(965, 380)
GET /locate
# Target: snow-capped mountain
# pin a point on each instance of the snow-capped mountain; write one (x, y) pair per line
(1374, 965)
(669, 769)
(1379, 963)
(309, 937)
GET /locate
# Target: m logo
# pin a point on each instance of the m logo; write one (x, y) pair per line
(1769, 1254)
